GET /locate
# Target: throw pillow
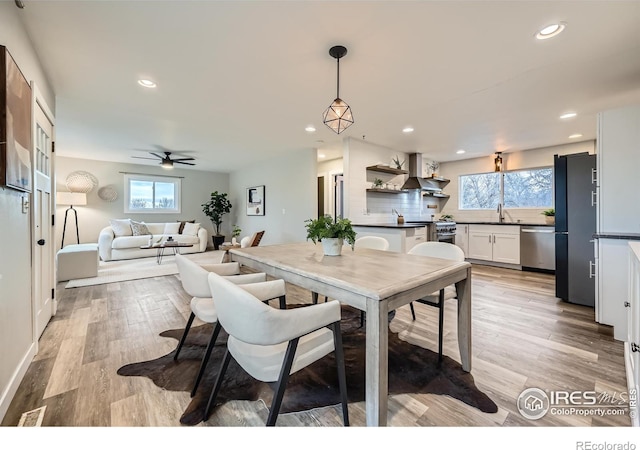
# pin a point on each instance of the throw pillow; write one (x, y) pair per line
(121, 227)
(171, 228)
(191, 229)
(139, 228)
(182, 222)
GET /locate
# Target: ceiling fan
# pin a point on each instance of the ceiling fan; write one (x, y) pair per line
(166, 161)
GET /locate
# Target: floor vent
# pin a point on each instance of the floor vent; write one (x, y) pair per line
(32, 418)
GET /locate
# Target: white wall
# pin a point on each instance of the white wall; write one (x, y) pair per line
(536, 158)
(290, 196)
(16, 327)
(197, 187)
(371, 207)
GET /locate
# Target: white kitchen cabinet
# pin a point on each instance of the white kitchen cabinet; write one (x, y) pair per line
(462, 238)
(401, 239)
(497, 243)
(612, 285)
(631, 350)
(617, 182)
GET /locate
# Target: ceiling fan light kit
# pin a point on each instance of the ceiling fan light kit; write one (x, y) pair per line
(338, 115)
(166, 161)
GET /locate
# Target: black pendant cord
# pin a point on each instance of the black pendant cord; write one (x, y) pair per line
(338, 81)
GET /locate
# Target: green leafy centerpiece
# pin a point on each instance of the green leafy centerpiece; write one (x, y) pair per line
(332, 233)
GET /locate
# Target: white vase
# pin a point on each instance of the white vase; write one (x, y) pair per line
(332, 246)
(234, 240)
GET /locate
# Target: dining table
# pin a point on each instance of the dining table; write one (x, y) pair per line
(372, 281)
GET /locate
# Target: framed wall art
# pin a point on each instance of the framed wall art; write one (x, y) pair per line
(255, 201)
(15, 125)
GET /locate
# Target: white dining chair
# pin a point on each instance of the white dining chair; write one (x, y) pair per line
(270, 344)
(442, 250)
(195, 283)
(373, 242)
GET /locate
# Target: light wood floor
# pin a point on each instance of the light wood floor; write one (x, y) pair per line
(522, 337)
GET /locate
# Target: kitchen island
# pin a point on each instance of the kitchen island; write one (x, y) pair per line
(401, 236)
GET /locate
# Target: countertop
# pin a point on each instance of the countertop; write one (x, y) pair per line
(390, 225)
(623, 236)
(522, 224)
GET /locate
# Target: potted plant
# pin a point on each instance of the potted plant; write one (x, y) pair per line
(217, 206)
(332, 233)
(397, 162)
(549, 216)
(235, 233)
(378, 183)
(433, 165)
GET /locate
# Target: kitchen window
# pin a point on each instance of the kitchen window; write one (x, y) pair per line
(527, 188)
(151, 194)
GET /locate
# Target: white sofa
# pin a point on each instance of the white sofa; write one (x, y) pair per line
(127, 246)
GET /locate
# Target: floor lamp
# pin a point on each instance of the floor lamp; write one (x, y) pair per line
(71, 198)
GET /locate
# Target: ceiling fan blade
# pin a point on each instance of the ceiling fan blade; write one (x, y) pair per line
(184, 159)
(180, 162)
(157, 156)
(143, 157)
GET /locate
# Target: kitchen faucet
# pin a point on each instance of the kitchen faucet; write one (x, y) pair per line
(500, 212)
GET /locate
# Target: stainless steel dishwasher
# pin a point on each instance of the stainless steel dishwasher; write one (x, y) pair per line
(538, 248)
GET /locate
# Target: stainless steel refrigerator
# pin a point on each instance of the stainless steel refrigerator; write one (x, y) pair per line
(575, 227)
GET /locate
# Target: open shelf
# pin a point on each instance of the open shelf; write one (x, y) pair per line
(387, 169)
(387, 191)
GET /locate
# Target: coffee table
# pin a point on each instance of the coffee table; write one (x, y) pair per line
(160, 253)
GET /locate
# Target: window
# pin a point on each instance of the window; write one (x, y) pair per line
(530, 188)
(151, 194)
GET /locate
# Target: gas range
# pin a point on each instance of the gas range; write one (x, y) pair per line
(445, 227)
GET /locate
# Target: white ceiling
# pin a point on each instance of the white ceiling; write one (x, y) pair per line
(238, 81)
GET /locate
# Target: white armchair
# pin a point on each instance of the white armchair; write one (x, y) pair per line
(270, 344)
(194, 281)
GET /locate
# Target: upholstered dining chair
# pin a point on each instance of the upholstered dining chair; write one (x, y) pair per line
(253, 240)
(194, 281)
(270, 344)
(442, 250)
(374, 242)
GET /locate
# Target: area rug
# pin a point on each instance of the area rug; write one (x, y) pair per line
(412, 369)
(136, 269)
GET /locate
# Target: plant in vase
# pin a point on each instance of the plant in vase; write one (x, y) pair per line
(549, 216)
(217, 206)
(378, 183)
(332, 233)
(433, 166)
(235, 233)
(397, 162)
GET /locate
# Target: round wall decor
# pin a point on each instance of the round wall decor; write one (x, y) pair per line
(108, 194)
(81, 181)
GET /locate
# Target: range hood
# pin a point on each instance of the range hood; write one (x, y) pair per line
(415, 180)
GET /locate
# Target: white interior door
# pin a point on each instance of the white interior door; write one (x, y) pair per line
(43, 272)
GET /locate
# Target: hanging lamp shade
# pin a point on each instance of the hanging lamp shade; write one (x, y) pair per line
(498, 162)
(338, 115)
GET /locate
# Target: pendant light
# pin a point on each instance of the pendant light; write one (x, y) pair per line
(498, 162)
(338, 115)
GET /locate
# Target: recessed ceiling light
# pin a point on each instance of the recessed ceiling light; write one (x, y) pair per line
(321, 155)
(568, 115)
(146, 83)
(460, 152)
(407, 130)
(551, 30)
(574, 136)
(310, 129)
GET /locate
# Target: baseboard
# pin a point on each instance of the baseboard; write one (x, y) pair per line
(635, 420)
(482, 262)
(16, 379)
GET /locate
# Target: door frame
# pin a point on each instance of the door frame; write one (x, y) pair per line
(38, 101)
